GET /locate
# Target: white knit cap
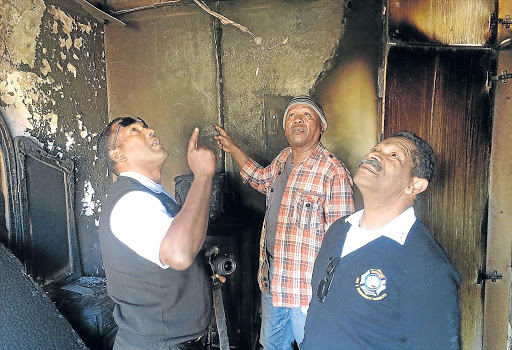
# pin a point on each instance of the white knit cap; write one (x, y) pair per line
(306, 100)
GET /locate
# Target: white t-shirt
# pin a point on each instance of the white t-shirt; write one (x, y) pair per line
(397, 229)
(140, 220)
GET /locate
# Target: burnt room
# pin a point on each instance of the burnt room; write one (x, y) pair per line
(439, 68)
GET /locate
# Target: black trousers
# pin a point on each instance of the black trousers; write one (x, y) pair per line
(192, 345)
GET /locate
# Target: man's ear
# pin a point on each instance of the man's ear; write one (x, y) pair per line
(116, 155)
(417, 186)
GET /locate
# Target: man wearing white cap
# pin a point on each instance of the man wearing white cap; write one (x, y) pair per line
(307, 189)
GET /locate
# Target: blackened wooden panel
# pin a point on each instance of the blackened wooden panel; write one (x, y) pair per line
(409, 86)
(441, 95)
(441, 22)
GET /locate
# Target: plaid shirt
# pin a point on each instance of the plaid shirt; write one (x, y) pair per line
(318, 192)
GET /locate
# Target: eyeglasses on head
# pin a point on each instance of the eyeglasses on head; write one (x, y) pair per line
(124, 122)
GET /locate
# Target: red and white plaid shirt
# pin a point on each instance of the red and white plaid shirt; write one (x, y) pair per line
(318, 192)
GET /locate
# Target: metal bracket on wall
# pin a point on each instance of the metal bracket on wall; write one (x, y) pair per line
(494, 21)
(503, 77)
(493, 276)
(272, 122)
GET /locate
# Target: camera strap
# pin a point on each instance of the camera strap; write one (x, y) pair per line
(220, 315)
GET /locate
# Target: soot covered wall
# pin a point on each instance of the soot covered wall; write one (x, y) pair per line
(53, 90)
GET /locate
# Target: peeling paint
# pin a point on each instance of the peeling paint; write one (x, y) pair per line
(20, 91)
(71, 69)
(8, 98)
(55, 27)
(78, 43)
(85, 27)
(57, 87)
(83, 130)
(68, 43)
(53, 118)
(88, 204)
(63, 18)
(18, 120)
(62, 42)
(22, 21)
(45, 69)
(70, 140)
(52, 85)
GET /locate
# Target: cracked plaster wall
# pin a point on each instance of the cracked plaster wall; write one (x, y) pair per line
(53, 90)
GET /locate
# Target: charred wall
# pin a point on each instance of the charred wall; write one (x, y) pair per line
(53, 90)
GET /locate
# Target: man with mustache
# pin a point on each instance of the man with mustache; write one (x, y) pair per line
(307, 188)
(381, 281)
(149, 245)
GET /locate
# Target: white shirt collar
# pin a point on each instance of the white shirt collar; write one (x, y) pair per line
(397, 229)
(145, 181)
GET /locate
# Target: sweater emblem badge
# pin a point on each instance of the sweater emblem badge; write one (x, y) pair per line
(371, 285)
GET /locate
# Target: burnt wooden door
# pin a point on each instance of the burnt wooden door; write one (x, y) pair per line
(441, 94)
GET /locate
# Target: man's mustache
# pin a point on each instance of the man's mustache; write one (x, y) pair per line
(373, 162)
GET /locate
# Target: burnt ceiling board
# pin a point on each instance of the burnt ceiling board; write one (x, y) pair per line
(101, 16)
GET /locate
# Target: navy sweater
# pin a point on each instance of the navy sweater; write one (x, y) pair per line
(385, 295)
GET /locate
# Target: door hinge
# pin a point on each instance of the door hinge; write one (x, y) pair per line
(495, 21)
(493, 276)
(503, 77)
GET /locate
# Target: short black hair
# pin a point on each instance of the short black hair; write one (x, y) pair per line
(423, 156)
(105, 144)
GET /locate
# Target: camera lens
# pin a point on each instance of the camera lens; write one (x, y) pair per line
(224, 265)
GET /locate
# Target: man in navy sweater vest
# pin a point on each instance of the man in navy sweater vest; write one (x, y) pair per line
(149, 246)
(381, 281)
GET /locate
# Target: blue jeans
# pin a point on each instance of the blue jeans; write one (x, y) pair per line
(280, 325)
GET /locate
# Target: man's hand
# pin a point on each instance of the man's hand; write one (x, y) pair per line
(224, 140)
(201, 160)
(221, 278)
(226, 143)
(187, 232)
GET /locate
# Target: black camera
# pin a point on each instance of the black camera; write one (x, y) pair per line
(221, 264)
